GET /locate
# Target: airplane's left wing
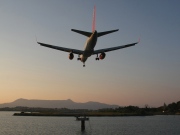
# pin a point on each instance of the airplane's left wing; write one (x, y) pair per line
(62, 48)
(114, 48)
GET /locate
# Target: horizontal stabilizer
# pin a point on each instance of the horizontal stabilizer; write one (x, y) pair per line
(88, 34)
(106, 32)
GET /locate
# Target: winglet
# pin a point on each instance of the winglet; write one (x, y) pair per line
(36, 39)
(139, 40)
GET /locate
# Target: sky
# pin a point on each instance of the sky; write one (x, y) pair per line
(148, 73)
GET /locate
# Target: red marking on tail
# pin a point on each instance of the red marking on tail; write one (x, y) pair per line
(94, 20)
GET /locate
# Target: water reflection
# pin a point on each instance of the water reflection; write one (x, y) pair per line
(148, 125)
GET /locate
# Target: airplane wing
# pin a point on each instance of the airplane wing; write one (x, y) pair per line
(62, 48)
(114, 48)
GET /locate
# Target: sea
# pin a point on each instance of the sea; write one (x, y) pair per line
(131, 125)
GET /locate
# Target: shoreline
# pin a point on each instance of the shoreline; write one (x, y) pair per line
(79, 114)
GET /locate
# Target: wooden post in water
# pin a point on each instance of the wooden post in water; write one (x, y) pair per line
(82, 119)
(82, 125)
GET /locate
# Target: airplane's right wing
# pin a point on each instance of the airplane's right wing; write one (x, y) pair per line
(114, 48)
(62, 48)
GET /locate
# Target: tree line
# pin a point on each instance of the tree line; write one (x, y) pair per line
(172, 108)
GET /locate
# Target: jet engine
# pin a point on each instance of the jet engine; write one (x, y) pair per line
(102, 56)
(71, 56)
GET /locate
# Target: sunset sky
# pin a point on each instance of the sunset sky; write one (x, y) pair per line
(148, 73)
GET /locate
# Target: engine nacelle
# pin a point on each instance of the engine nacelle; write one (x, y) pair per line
(102, 56)
(71, 56)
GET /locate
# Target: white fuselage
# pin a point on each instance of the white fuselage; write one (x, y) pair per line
(89, 46)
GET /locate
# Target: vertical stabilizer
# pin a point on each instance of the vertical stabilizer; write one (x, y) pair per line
(94, 20)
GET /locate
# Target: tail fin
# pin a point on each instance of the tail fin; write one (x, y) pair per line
(94, 20)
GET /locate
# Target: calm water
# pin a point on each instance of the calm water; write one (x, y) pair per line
(149, 125)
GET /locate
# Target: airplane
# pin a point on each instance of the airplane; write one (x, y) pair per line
(90, 44)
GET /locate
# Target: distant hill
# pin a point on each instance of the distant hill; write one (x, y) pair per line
(57, 104)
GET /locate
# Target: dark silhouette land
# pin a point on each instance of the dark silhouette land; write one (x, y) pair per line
(70, 108)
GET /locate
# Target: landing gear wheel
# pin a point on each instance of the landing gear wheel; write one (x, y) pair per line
(78, 57)
(97, 58)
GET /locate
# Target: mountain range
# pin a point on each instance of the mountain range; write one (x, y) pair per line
(57, 104)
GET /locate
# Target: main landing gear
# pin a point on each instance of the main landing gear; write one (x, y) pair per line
(78, 57)
(97, 58)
